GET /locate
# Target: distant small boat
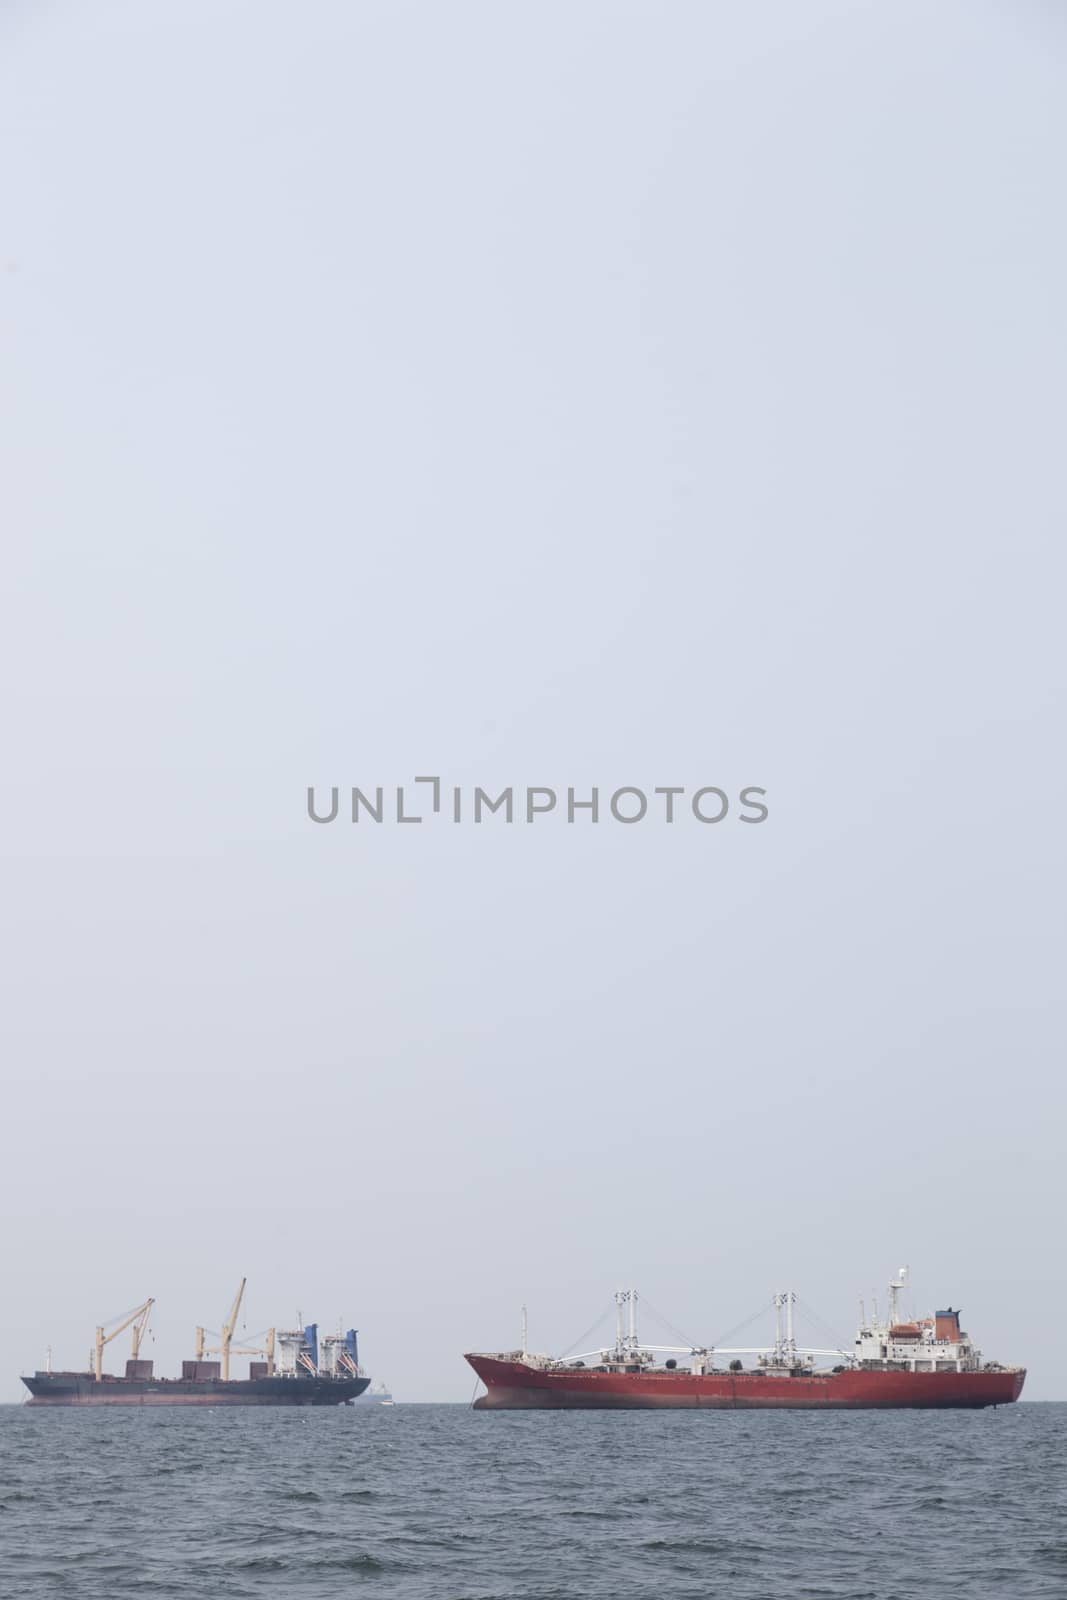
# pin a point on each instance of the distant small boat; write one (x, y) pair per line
(378, 1395)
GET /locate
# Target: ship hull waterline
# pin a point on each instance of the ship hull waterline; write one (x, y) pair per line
(512, 1386)
(82, 1389)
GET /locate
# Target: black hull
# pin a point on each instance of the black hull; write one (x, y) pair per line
(81, 1389)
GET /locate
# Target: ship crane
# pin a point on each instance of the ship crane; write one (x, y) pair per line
(266, 1350)
(139, 1321)
(227, 1329)
(224, 1348)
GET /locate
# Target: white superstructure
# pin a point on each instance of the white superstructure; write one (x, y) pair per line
(293, 1354)
(926, 1344)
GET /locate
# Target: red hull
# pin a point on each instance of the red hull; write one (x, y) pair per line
(512, 1386)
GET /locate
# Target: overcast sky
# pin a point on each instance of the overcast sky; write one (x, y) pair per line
(556, 394)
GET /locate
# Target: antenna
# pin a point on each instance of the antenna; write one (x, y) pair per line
(897, 1284)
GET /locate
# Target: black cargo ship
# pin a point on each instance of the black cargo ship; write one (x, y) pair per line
(296, 1368)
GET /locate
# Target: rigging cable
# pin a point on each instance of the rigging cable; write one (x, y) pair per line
(821, 1327)
(740, 1327)
(120, 1316)
(587, 1334)
(677, 1333)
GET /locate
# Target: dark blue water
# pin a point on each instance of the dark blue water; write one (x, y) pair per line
(429, 1502)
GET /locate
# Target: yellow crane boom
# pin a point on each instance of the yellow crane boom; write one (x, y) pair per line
(138, 1319)
(226, 1348)
(228, 1326)
(227, 1334)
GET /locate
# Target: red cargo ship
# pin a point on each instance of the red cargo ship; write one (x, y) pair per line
(927, 1363)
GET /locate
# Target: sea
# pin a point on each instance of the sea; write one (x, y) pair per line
(445, 1503)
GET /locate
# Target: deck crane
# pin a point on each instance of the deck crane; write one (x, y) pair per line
(266, 1350)
(139, 1321)
(225, 1347)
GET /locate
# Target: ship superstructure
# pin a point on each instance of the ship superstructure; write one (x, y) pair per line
(929, 1344)
(291, 1368)
(917, 1363)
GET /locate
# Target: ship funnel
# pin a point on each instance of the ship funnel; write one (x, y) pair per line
(947, 1325)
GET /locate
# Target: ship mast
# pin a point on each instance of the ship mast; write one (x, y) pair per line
(625, 1343)
(785, 1349)
(898, 1283)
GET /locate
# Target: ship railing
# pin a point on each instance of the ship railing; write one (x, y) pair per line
(610, 1353)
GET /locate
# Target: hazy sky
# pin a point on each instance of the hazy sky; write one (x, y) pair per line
(534, 394)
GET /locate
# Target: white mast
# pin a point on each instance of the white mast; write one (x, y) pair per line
(633, 1319)
(790, 1341)
(525, 1341)
(898, 1283)
(621, 1297)
(785, 1350)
